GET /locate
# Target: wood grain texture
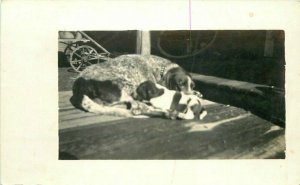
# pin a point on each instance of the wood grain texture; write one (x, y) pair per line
(227, 132)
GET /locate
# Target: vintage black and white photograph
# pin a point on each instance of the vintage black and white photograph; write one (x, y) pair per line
(171, 94)
(149, 92)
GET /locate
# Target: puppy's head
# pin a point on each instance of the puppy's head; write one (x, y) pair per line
(195, 108)
(179, 80)
(147, 90)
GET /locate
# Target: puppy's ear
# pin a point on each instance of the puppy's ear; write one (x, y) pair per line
(152, 90)
(181, 108)
(142, 92)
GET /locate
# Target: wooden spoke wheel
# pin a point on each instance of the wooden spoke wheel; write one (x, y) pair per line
(83, 56)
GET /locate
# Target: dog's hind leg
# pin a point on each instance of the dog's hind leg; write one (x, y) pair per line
(76, 101)
(90, 106)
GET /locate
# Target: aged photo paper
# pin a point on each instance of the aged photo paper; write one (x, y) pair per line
(29, 89)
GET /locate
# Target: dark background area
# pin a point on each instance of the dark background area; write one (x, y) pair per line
(234, 54)
(238, 55)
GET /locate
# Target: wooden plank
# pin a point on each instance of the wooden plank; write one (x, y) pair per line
(75, 118)
(157, 138)
(71, 117)
(86, 120)
(273, 147)
(220, 112)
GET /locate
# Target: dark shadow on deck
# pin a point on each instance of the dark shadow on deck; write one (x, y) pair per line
(264, 101)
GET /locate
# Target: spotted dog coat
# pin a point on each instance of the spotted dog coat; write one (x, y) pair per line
(128, 71)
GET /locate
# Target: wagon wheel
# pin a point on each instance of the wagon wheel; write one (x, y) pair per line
(69, 49)
(184, 44)
(83, 56)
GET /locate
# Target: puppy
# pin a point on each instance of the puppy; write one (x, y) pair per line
(186, 106)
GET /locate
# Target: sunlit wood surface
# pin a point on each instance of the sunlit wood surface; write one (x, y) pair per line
(227, 132)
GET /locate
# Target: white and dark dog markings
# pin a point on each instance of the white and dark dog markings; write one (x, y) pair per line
(187, 106)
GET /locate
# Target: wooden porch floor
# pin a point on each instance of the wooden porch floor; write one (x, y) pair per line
(227, 132)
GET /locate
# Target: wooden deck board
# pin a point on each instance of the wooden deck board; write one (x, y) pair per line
(226, 132)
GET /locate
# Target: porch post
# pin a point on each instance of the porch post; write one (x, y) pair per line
(143, 43)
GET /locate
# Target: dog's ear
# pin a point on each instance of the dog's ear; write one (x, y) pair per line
(168, 81)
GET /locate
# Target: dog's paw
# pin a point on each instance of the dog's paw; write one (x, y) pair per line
(197, 93)
(86, 102)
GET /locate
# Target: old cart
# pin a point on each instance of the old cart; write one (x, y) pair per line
(80, 51)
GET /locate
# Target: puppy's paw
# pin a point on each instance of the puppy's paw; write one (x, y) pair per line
(197, 93)
(135, 108)
(136, 111)
(172, 114)
(203, 114)
(134, 105)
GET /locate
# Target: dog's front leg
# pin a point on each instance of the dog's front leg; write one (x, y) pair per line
(188, 115)
(141, 108)
(185, 116)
